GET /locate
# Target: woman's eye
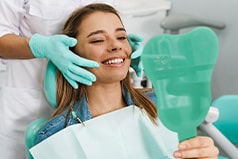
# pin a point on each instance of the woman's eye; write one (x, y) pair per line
(122, 38)
(97, 41)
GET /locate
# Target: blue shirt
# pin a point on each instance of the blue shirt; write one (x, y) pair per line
(82, 111)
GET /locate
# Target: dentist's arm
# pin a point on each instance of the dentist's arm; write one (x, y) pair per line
(56, 49)
(15, 47)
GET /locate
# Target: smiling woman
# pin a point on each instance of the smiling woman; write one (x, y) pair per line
(101, 37)
(111, 102)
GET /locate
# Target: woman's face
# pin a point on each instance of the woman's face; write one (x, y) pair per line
(102, 38)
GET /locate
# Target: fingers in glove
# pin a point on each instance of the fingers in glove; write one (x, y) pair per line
(137, 53)
(68, 41)
(79, 75)
(75, 71)
(135, 38)
(71, 82)
(80, 61)
(77, 79)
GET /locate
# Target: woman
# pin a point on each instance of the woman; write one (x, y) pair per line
(29, 36)
(102, 37)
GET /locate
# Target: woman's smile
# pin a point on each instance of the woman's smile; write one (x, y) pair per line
(114, 61)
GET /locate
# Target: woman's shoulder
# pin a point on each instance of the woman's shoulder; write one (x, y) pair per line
(149, 93)
(52, 126)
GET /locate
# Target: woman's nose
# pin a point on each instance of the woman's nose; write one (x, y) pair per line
(114, 45)
(114, 49)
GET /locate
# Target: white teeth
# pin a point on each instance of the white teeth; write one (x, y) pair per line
(114, 61)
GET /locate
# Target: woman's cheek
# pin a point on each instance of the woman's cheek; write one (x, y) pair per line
(127, 49)
(93, 53)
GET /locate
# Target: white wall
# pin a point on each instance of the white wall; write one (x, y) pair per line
(143, 16)
(225, 76)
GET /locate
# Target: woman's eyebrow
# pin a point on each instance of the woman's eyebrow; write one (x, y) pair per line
(102, 31)
(121, 29)
(96, 32)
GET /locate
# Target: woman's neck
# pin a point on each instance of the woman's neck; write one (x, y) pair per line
(104, 98)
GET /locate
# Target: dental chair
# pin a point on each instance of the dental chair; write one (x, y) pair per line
(31, 134)
(34, 127)
(227, 124)
(222, 126)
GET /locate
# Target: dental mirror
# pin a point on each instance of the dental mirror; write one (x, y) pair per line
(180, 68)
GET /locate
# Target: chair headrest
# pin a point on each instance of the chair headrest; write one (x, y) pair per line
(50, 84)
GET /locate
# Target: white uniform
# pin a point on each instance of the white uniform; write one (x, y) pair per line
(22, 99)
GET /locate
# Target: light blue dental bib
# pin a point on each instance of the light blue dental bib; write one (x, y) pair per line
(127, 133)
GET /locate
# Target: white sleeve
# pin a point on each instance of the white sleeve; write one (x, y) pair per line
(11, 14)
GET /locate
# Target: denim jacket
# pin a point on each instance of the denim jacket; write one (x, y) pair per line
(81, 109)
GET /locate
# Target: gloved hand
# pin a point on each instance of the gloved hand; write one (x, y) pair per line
(56, 49)
(137, 49)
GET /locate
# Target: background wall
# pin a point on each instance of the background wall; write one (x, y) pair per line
(225, 75)
(143, 16)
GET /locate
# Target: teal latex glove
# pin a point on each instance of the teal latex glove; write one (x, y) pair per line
(137, 49)
(56, 49)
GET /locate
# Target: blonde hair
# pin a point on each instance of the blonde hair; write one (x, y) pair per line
(67, 96)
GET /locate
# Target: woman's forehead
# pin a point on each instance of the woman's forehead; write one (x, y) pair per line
(101, 20)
